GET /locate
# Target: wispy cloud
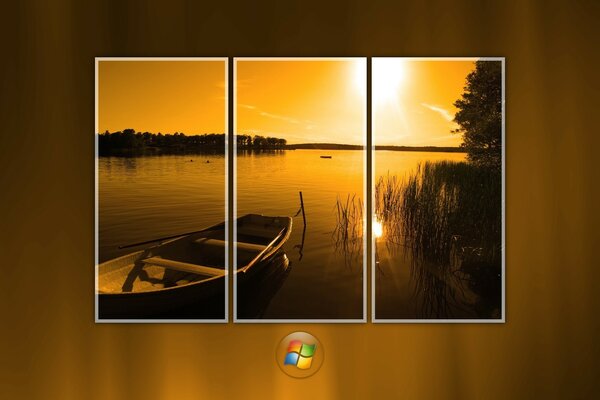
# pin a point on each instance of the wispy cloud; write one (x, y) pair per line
(447, 115)
(280, 117)
(291, 120)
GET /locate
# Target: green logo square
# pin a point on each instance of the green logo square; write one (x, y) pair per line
(308, 350)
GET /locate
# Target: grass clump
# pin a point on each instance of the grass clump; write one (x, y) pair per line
(348, 231)
(445, 211)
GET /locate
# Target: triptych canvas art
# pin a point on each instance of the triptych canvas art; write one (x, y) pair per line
(300, 190)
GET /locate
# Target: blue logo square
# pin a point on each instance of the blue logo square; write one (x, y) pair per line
(291, 359)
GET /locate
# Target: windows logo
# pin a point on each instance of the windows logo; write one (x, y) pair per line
(297, 355)
(300, 354)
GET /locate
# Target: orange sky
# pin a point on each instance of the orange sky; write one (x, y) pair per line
(413, 101)
(299, 100)
(162, 96)
(302, 101)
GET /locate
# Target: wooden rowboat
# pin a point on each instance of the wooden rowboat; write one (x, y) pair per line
(185, 270)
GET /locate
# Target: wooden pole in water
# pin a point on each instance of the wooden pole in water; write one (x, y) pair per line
(302, 208)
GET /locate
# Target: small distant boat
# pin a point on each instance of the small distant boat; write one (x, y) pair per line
(325, 156)
(187, 269)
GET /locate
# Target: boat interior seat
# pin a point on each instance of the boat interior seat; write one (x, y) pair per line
(252, 247)
(267, 232)
(184, 267)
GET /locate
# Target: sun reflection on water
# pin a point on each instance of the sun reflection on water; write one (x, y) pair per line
(377, 228)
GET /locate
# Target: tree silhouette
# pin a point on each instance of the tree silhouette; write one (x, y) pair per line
(480, 114)
(130, 140)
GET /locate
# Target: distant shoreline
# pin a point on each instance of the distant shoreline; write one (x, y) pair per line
(218, 150)
(335, 146)
(130, 142)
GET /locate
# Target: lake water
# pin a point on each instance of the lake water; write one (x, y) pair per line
(147, 197)
(407, 288)
(142, 198)
(324, 282)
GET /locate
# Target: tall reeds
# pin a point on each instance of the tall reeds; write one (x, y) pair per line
(451, 209)
(446, 215)
(388, 206)
(348, 232)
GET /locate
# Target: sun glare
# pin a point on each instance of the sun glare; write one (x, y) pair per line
(360, 76)
(377, 228)
(388, 76)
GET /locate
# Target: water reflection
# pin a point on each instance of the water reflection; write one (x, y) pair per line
(438, 254)
(437, 291)
(348, 232)
(130, 164)
(463, 285)
(300, 246)
(326, 279)
(255, 293)
(260, 152)
(144, 197)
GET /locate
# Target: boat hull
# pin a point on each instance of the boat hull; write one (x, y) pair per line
(204, 299)
(185, 277)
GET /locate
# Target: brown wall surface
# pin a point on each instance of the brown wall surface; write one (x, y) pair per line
(51, 347)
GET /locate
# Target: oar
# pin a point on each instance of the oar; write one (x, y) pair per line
(168, 237)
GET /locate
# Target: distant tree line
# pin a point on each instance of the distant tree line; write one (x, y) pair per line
(260, 142)
(130, 140)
